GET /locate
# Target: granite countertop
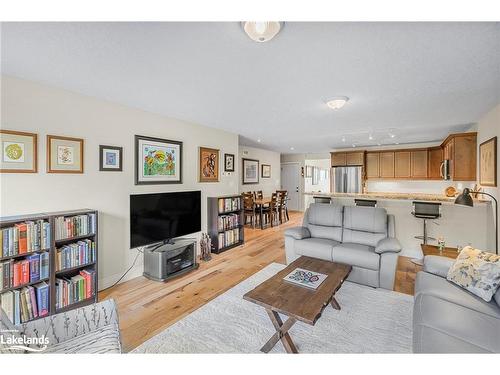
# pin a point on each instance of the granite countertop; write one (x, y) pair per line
(395, 196)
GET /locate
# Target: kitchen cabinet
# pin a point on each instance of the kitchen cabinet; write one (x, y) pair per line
(419, 164)
(434, 160)
(338, 159)
(372, 165)
(341, 159)
(464, 155)
(386, 164)
(402, 164)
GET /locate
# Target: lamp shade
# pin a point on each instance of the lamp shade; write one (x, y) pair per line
(465, 199)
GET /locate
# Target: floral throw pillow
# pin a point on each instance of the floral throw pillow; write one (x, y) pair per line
(476, 271)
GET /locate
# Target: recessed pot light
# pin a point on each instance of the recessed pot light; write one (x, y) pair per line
(343, 139)
(262, 31)
(291, 148)
(258, 140)
(337, 102)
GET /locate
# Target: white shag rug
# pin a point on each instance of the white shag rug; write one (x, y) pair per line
(370, 321)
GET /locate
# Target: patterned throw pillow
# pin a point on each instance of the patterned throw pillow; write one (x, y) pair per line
(476, 271)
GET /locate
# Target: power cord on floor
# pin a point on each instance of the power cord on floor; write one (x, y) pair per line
(139, 251)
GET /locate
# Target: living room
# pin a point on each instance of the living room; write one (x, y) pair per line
(249, 187)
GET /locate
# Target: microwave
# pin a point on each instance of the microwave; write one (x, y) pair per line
(445, 169)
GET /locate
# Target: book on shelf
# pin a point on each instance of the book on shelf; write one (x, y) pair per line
(33, 268)
(228, 221)
(74, 226)
(23, 238)
(229, 204)
(75, 254)
(25, 304)
(228, 238)
(75, 289)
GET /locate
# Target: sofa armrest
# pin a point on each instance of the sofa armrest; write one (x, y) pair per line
(73, 323)
(388, 245)
(298, 233)
(437, 265)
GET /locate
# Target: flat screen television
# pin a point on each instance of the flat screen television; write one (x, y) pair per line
(158, 218)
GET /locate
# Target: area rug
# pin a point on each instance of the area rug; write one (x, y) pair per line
(370, 321)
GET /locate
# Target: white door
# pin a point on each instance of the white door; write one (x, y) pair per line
(290, 181)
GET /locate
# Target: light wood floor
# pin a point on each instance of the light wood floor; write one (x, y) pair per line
(146, 307)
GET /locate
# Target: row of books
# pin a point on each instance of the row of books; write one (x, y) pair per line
(31, 269)
(75, 289)
(75, 254)
(229, 204)
(73, 226)
(229, 238)
(24, 238)
(27, 303)
(226, 222)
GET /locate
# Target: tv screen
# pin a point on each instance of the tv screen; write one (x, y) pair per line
(158, 217)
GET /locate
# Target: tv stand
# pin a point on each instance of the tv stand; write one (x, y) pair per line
(170, 259)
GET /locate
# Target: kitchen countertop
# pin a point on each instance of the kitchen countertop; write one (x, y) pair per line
(393, 196)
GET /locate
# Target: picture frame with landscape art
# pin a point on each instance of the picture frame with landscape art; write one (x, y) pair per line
(266, 171)
(250, 171)
(19, 152)
(209, 164)
(157, 161)
(110, 158)
(64, 154)
(488, 162)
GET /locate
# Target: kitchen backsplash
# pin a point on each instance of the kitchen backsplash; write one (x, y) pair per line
(401, 186)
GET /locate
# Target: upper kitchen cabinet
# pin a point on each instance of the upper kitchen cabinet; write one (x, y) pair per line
(402, 164)
(461, 152)
(341, 159)
(386, 164)
(372, 165)
(419, 167)
(434, 161)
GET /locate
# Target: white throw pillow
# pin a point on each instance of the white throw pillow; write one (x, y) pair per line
(476, 271)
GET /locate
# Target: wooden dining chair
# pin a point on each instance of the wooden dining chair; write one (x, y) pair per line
(249, 209)
(259, 194)
(271, 211)
(282, 205)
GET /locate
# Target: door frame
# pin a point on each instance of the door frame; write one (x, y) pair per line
(301, 181)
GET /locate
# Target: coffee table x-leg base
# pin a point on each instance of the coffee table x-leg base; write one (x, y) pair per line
(281, 333)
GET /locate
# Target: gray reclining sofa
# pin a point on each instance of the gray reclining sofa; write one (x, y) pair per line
(362, 237)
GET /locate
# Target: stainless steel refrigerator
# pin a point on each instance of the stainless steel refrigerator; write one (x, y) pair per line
(346, 179)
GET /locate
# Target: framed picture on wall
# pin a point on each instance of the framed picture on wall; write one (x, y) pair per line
(228, 163)
(19, 152)
(157, 161)
(110, 158)
(209, 164)
(266, 171)
(488, 162)
(250, 171)
(64, 154)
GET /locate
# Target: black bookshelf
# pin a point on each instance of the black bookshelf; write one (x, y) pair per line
(214, 212)
(50, 217)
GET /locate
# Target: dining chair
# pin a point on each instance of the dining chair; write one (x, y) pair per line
(283, 205)
(271, 211)
(249, 209)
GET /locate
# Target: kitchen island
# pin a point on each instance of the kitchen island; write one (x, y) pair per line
(458, 225)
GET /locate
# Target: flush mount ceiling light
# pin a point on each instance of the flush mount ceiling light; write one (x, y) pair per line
(262, 31)
(337, 102)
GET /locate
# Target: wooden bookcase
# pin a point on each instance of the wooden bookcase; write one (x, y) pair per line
(213, 219)
(9, 221)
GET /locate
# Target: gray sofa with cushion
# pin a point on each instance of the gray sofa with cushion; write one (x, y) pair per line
(362, 237)
(449, 319)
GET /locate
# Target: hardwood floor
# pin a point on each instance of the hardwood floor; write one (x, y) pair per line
(147, 307)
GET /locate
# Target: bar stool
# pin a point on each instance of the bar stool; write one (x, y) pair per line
(365, 202)
(426, 211)
(322, 200)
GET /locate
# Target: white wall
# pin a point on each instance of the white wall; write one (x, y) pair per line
(267, 185)
(33, 107)
(488, 127)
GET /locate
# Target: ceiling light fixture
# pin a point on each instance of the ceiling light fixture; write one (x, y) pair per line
(291, 148)
(343, 139)
(262, 31)
(258, 140)
(370, 137)
(337, 102)
(353, 145)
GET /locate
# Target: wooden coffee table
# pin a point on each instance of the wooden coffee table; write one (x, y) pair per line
(298, 303)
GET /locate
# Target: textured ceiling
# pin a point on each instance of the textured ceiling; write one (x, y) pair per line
(417, 80)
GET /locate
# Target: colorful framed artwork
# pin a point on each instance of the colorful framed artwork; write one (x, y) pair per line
(488, 162)
(19, 152)
(250, 171)
(157, 161)
(64, 154)
(110, 158)
(266, 171)
(228, 163)
(209, 164)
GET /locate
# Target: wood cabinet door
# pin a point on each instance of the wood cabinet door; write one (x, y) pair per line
(372, 165)
(419, 164)
(387, 164)
(464, 158)
(338, 159)
(435, 158)
(402, 164)
(355, 158)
